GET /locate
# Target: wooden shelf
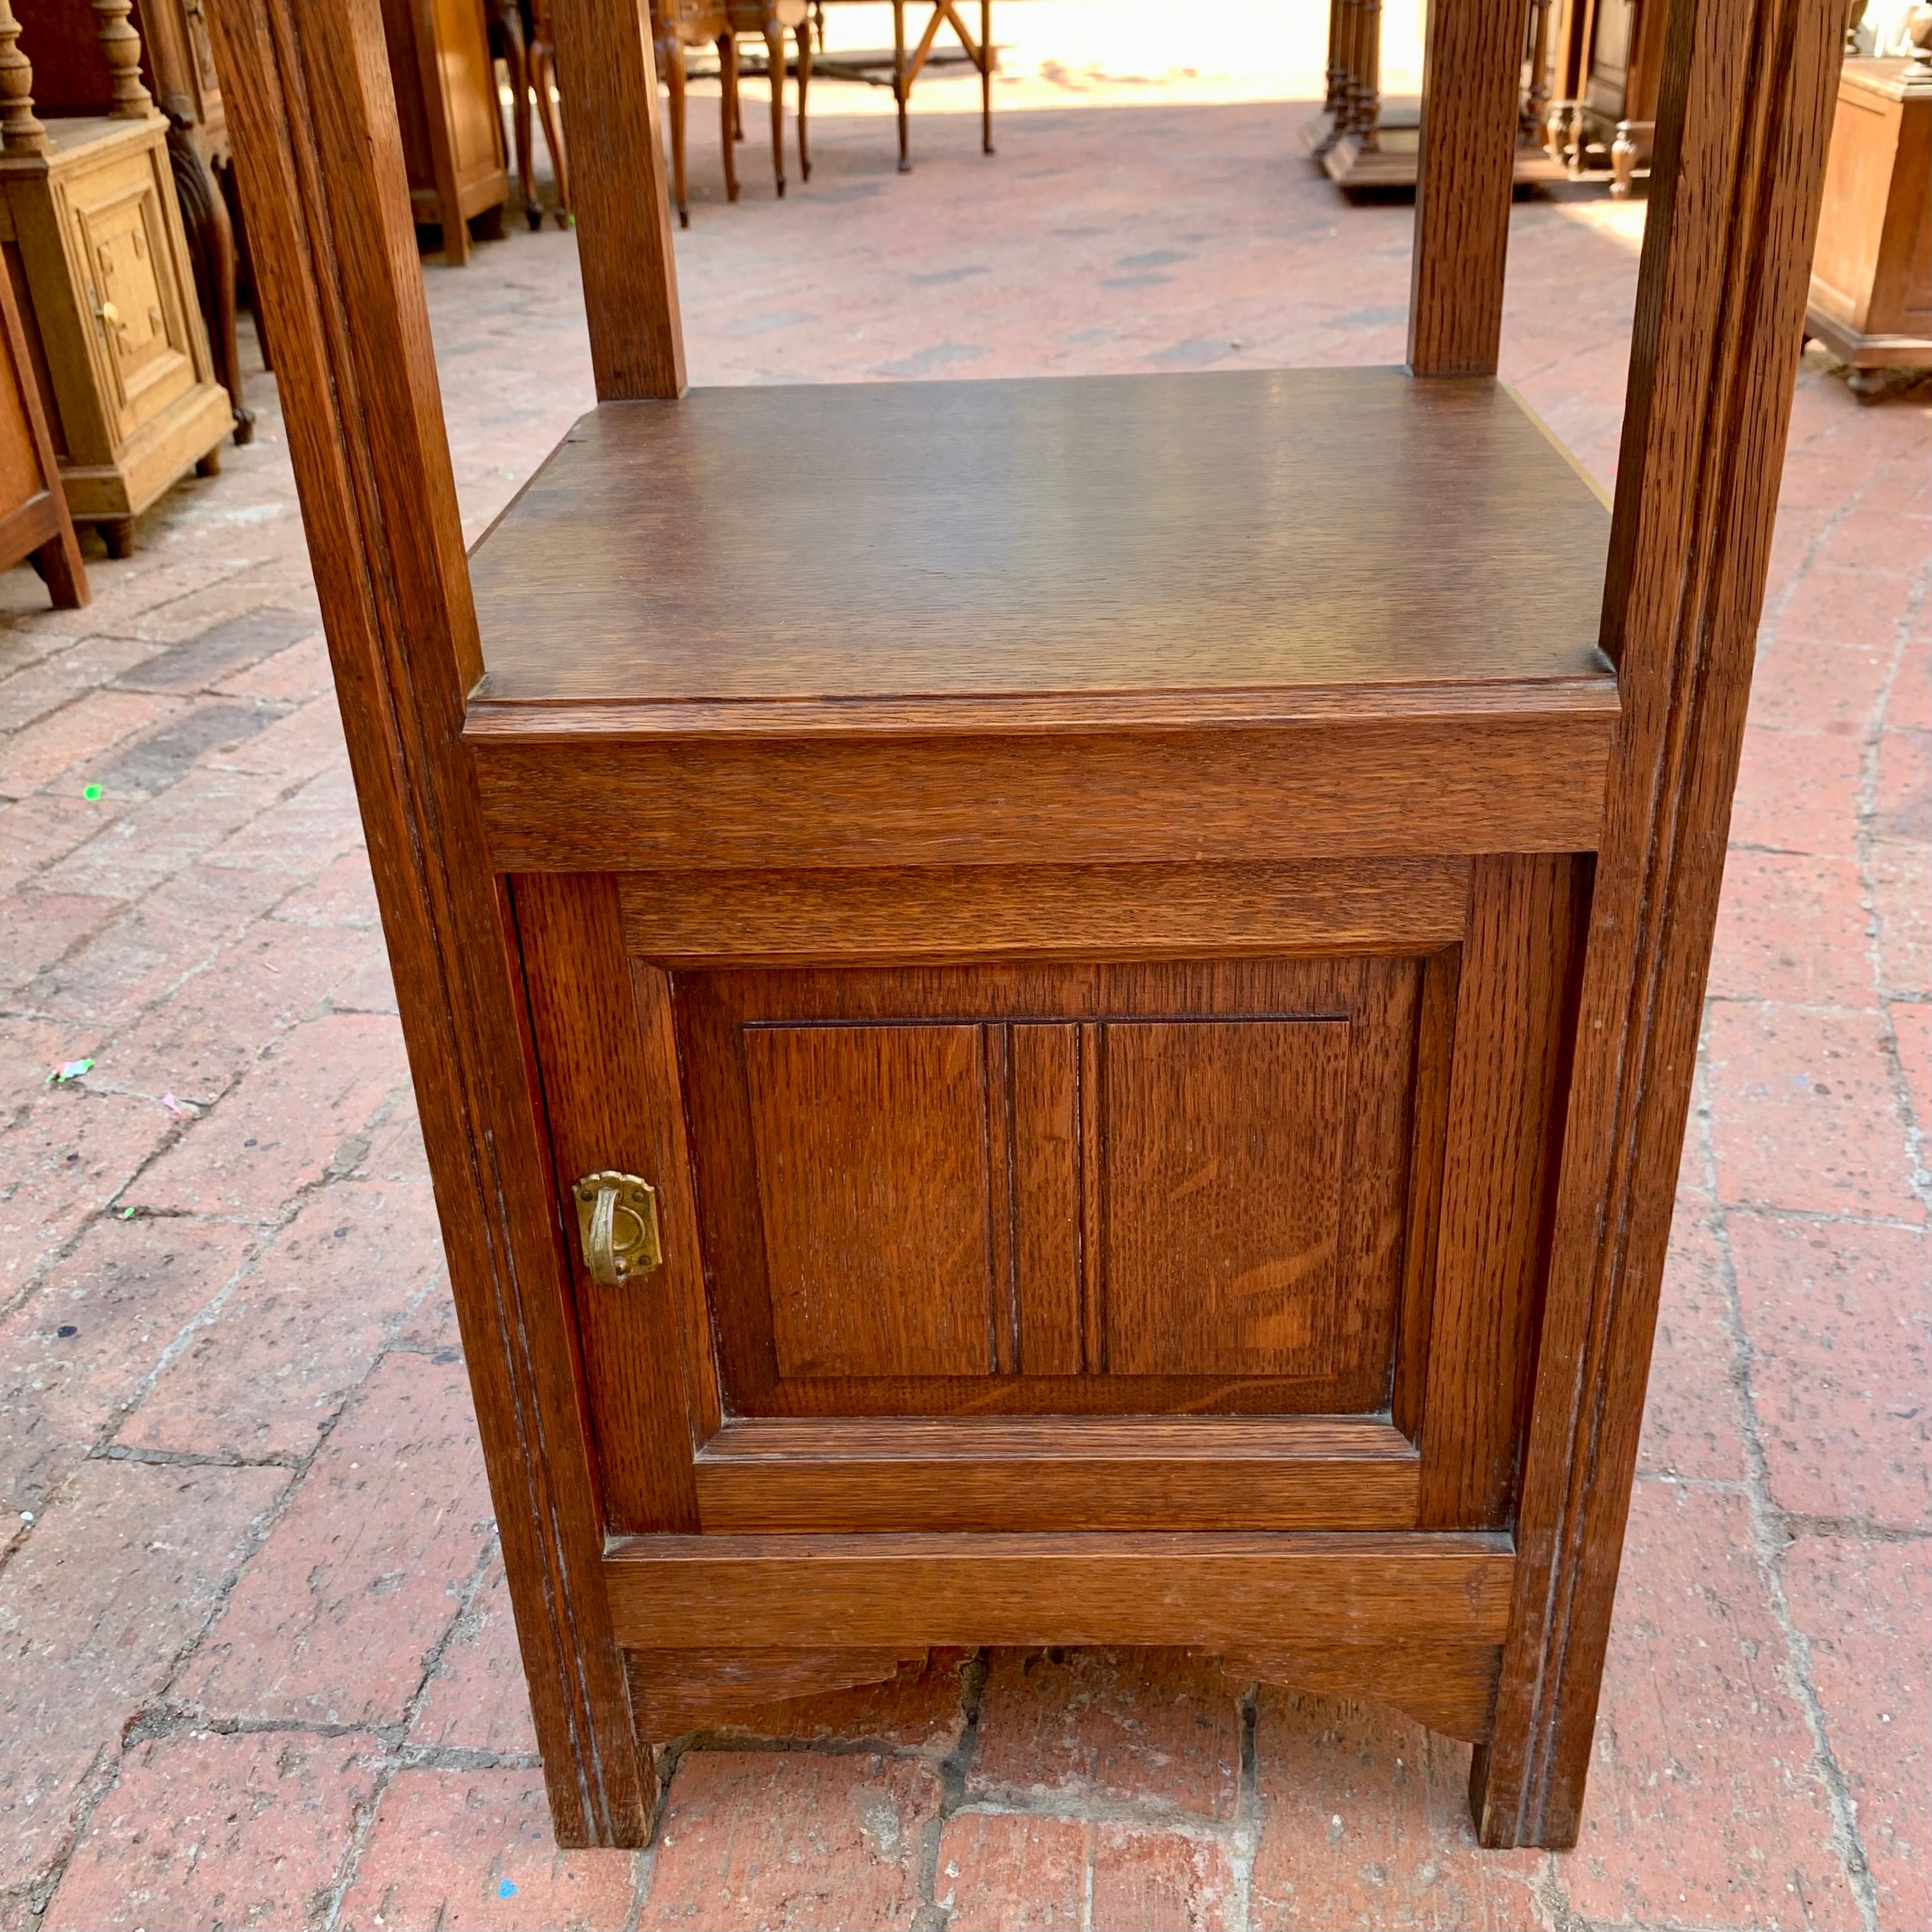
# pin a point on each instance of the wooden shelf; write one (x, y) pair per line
(1389, 590)
(1196, 538)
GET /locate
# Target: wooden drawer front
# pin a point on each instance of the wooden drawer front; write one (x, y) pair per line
(1054, 1189)
(120, 229)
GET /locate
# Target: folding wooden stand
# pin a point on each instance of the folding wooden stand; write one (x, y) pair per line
(1083, 1043)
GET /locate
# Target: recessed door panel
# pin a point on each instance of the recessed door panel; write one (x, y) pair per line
(1221, 1195)
(1051, 1190)
(872, 1181)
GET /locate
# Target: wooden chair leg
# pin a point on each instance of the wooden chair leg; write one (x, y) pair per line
(774, 63)
(543, 68)
(899, 80)
(670, 58)
(985, 76)
(727, 83)
(517, 65)
(803, 37)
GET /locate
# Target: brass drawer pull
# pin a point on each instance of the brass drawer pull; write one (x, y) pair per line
(617, 1222)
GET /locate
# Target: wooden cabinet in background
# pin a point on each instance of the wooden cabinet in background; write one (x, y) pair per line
(34, 519)
(452, 125)
(93, 239)
(73, 80)
(1871, 279)
(1607, 58)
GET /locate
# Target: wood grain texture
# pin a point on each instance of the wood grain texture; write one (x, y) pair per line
(1448, 1687)
(307, 90)
(1108, 534)
(724, 1017)
(34, 519)
(1044, 1102)
(981, 912)
(608, 1105)
(675, 1692)
(1223, 1142)
(607, 79)
(991, 1473)
(870, 1143)
(1743, 123)
(1435, 1061)
(1216, 1592)
(1424, 787)
(1471, 78)
(1508, 1084)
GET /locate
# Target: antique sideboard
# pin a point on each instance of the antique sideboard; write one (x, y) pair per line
(1047, 1034)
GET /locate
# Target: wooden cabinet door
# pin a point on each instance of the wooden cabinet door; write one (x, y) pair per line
(119, 232)
(1049, 1242)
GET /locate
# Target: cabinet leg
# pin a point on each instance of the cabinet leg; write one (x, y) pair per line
(117, 534)
(58, 561)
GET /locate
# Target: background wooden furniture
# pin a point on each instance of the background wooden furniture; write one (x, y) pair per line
(101, 270)
(899, 69)
(1871, 279)
(676, 25)
(520, 37)
(72, 78)
(452, 126)
(1164, 1123)
(1607, 58)
(1365, 142)
(768, 21)
(34, 519)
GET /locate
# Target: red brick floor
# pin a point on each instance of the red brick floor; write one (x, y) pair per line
(255, 1667)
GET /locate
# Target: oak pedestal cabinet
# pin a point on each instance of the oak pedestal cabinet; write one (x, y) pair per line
(1075, 1045)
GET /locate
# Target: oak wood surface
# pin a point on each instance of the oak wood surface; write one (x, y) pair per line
(675, 1691)
(607, 1106)
(620, 200)
(1025, 1473)
(1515, 1011)
(1328, 790)
(1744, 121)
(1221, 1173)
(870, 1145)
(1247, 1590)
(306, 86)
(1471, 81)
(693, 918)
(1060, 1160)
(34, 519)
(1449, 1687)
(1093, 534)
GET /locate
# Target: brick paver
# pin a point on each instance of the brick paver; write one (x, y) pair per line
(256, 1664)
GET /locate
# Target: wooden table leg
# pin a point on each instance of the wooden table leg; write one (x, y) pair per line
(727, 83)
(899, 80)
(803, 34)
(774, 66)
(985, 76)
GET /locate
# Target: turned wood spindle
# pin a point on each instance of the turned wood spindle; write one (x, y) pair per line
(20, 131)
(122, 45)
